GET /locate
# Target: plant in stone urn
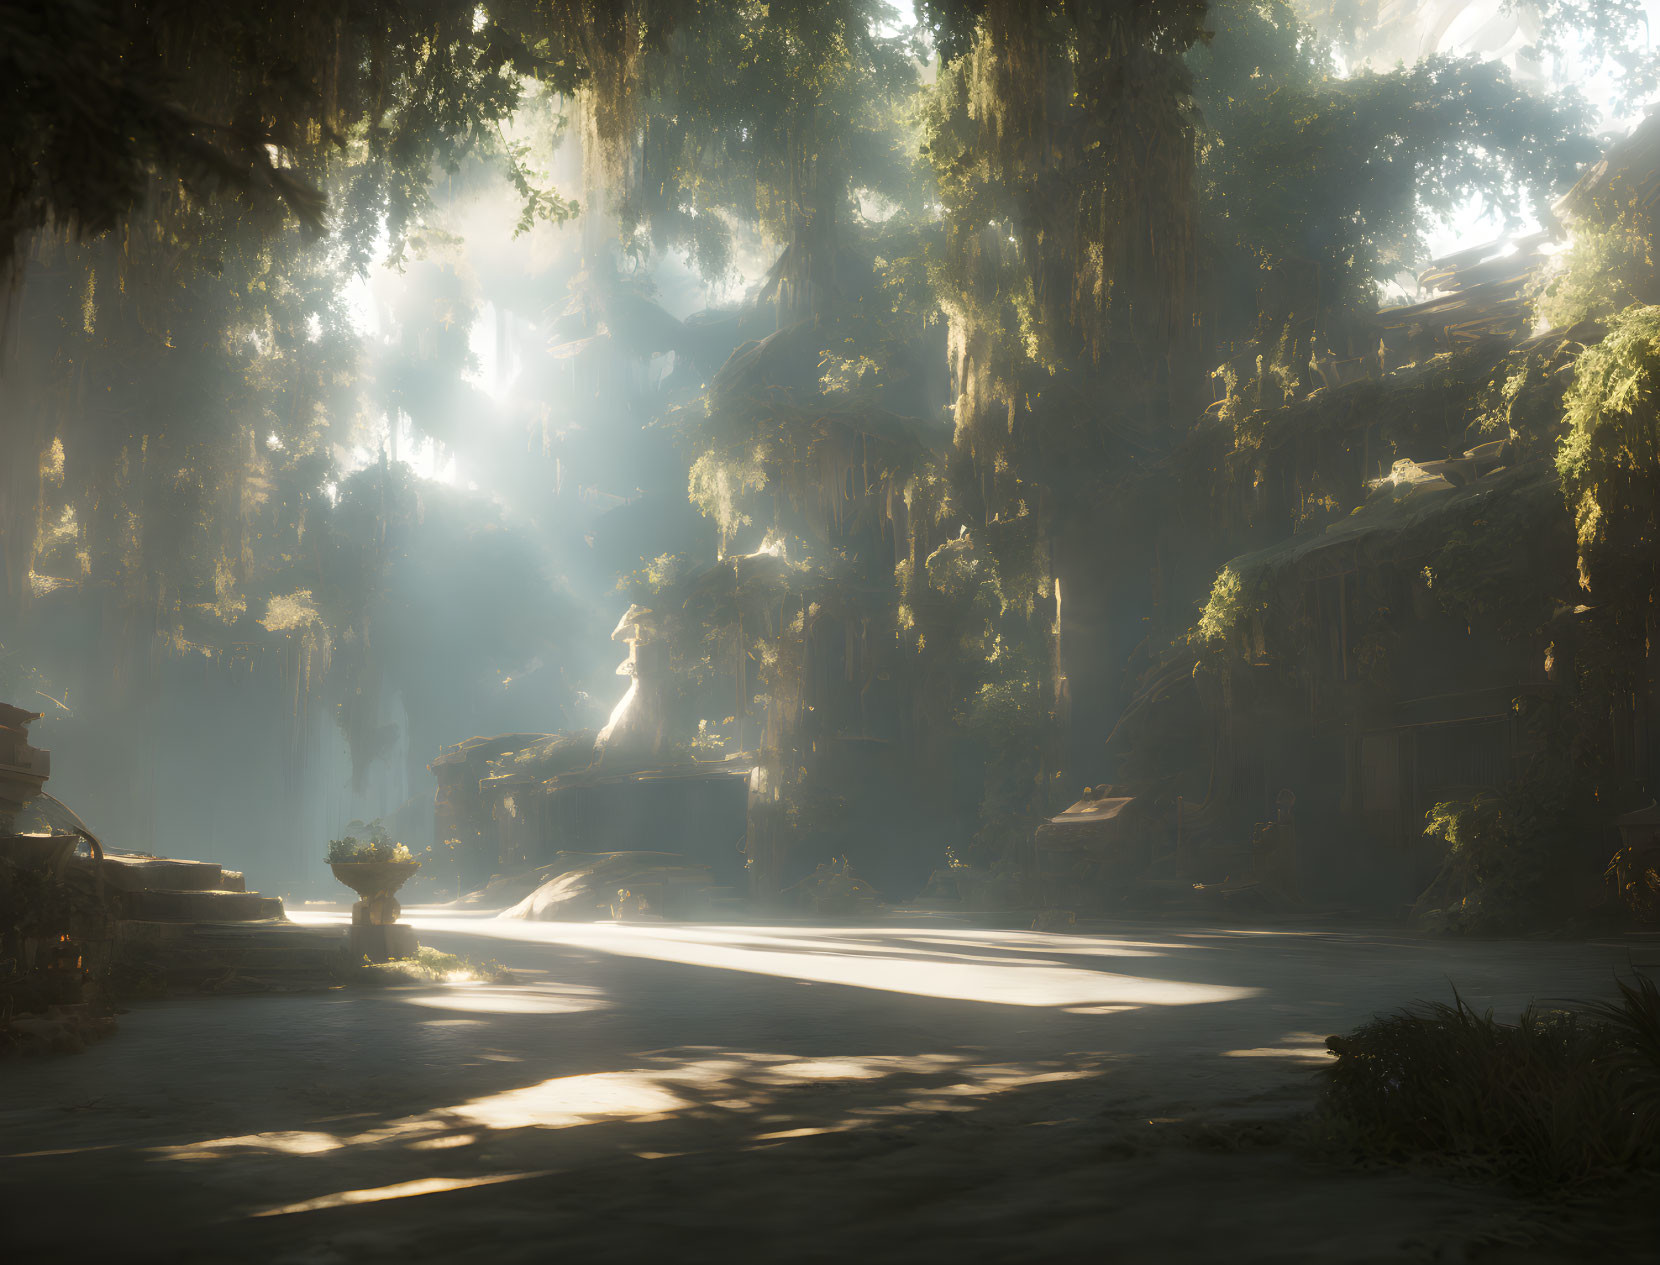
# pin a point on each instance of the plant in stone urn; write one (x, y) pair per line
(375, 867)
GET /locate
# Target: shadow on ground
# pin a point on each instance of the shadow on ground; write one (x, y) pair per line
(803, 1094)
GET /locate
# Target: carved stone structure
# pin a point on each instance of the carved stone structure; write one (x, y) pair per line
(634, 734)
(519, 802)
(23, 769)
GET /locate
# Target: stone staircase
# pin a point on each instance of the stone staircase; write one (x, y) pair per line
(250, 956)
(159, 889)
(198, 925)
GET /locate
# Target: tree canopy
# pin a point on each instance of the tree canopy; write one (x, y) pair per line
(830, 333)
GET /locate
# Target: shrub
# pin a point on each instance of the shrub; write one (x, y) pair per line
(1554, 1100)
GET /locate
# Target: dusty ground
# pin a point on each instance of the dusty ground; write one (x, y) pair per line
(920, 1093)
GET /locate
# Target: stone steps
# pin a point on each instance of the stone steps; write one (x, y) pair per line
(138, 873)
(157, 904)
(271, 952)
(169, 889)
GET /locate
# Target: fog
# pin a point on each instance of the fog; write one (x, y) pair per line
(289, 511)
(486, 408)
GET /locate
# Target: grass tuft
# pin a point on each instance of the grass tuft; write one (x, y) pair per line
(429, 966)
(1556, 1099)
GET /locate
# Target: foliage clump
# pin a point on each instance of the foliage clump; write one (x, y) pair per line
(374, 845)
(1508, 860)
(1556, 1099)
(1313, 186)
(1225, 610)
(1521, 402)
(1609, 460)
(1605, 269)
(431, 966)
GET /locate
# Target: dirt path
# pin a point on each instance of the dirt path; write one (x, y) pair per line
(779, 1094)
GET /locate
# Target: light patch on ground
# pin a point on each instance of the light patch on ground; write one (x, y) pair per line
(566, 999)
(1009, 968)
(739, 1082)
(1304, 1047)
(402, 1190)
(569, 1100)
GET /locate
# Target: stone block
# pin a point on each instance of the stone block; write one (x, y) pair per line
(382, 943)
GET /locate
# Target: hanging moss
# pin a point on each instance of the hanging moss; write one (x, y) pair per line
(1064, 161)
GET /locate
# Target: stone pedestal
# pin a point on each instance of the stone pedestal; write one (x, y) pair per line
(376, 932)
(381, 943)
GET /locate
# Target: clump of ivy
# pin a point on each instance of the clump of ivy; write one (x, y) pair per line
(1609, 460)
(1224, 611)
(1508, 860)
(1521, 402)
(1606, 268)
(1505, 567)
(1233, 618)
(1255, 383)
(659, 575)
